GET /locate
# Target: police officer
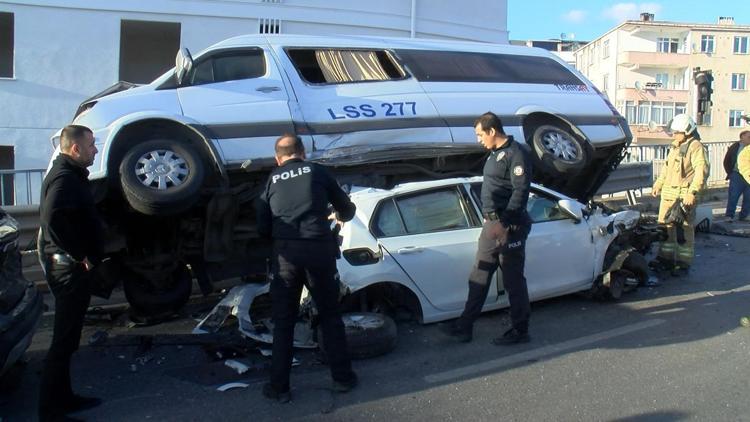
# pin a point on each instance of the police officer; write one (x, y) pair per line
(70, 245)
(683, 178)
(505, 192)
(293, 211)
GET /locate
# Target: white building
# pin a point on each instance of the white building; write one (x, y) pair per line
(56, 53)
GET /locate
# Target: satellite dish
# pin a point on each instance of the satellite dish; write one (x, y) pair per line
(638, 86)
(652, 125)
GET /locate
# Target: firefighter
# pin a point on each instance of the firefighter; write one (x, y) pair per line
(683, 178)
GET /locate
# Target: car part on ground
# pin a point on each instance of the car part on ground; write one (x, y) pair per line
(20, 302)
(368, 334)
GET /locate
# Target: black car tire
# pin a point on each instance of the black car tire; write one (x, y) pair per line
(147, 300)
(173, 198)
(368, 334)
(557, 151)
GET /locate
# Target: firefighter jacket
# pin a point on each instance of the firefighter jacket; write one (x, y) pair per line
(743, 163)
(685, 170)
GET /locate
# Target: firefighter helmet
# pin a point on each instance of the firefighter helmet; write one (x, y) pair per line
(683, 123)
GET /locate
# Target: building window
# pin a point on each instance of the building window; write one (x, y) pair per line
(680, 108)
(740, 45)
(738, 81)
(6, 45)
(605, 82)
(707, 43)
(662, 79)
(147, 49)
(643, 110)
(605, 49)
(269, 26)
(735, 118)
(666, 45)
(630, 112)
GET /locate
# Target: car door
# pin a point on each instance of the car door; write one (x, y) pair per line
(559, 251)
(351, 97)
(432, 235)
(238, 96)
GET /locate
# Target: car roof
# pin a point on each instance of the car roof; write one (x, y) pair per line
(358, 41)
(368, 198)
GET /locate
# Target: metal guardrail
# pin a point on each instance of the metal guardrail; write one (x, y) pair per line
(628, 176)
(656, 154)
(20, 187)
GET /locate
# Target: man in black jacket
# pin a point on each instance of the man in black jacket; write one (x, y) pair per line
(502, 242)
(293, 211)
(738, 186)
(70, 245)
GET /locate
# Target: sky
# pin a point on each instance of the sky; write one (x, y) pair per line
(586, 20)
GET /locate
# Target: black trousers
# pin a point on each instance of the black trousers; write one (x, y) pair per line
(70, 288)
(295, 263)
(510, 258)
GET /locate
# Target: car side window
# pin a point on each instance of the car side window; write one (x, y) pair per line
(338, 66)
(387, 221)
(433, 211)
(543, 209)
(540, 208)
(245, 64)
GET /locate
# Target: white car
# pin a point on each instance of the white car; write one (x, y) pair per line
(414, 246)
(181, 158)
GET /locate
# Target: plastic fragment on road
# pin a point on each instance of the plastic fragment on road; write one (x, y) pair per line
(238, 366)
(745, 321)
(231, 385)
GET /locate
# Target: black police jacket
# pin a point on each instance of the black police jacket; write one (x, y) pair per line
(68, 216)
(507, 182)
(294, 203)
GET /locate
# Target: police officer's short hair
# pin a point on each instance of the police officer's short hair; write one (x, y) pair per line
(296, 147)
(743, 133)
(73, 134)
(489, 120)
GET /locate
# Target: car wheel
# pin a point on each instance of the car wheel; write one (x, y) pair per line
(368, 334)
(161, 177)
(152, 299)
(557, 151)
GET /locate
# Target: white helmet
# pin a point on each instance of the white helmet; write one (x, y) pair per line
(682, 123)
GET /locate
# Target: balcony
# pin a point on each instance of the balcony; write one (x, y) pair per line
(635, 60)
(656, 94)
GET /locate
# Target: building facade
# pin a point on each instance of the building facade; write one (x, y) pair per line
(56, 53)
(646, 69)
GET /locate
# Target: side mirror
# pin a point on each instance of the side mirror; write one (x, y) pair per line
(183, 64)
(571, 209)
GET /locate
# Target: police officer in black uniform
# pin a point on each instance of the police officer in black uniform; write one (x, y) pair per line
(505, 192)
(293, 211)
(70, 246)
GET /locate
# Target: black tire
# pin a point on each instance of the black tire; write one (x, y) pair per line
(637, 265)
(557, 151)
(178, 192)
(368, 334)
(146, 299)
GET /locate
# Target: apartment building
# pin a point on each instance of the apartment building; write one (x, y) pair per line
(646, 69)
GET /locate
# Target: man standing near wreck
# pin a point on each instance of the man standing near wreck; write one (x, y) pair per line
(293, 211)
(502, 242)
(70, 245)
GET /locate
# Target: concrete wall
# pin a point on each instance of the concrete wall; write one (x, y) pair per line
(68, 50)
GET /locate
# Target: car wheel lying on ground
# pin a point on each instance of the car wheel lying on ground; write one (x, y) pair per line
(368, 334)
(20, 302)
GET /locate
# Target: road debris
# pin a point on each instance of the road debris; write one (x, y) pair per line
(238, 366)
(231, 385)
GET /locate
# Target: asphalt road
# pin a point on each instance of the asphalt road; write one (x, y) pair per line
(671, 352)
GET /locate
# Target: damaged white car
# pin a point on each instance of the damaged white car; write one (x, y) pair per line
(411, 249)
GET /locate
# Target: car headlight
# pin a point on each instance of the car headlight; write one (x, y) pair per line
(361, 256)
